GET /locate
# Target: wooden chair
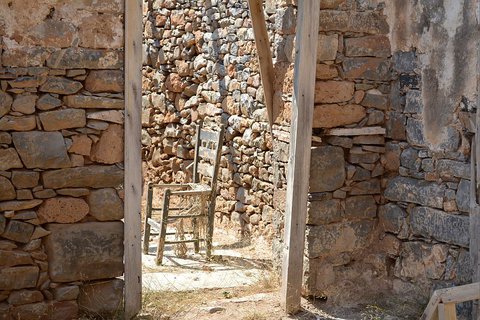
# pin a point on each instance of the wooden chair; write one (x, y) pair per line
(208, 150)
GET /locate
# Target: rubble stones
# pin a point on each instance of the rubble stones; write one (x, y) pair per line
(85, 251)
(41, 149)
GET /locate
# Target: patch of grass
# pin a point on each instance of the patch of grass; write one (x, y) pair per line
(373, 312)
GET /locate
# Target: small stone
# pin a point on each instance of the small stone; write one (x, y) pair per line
(63, 210)
(327, 47)
(377, 69)
(19, 205)
(392, 218)
(326, 72)
(18, 231)
(39, 233)
(105, 205)
(9, 159)
(33, 245)
(48, 102)
(375, 99)
(24, 194)
(109, 149)
(31, 311)
(463, 196)
(61, 85)
(24, 215)
(88, 102)
(5, 138)
(366, 187)
(6, 244)
(325, 212)
(74, 192)
(41, 149)
(27, 82)
(104, 81)
(24, 103)
(5, 103)
(63, 119)
(60, 310)
(45, 194)
(115, 116)
(24, 297)
(12, 123)
(360, 207)
(25, 179)
(416, 191)
(81, 144)
(7, 191)
(370, 46)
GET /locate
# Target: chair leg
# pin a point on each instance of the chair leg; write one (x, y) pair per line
(163, 227)
(148, 215)
(196, 235)
(210, 223)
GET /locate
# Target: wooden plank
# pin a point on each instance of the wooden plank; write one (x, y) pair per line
(154, 224)
(207, 153)
(460, 294)
(475, 213)
(206, 169)
(264, 53)
(365, 131)
(308, 15)
(208, 135)
(133, 158)
(431, 310)
(447, 311)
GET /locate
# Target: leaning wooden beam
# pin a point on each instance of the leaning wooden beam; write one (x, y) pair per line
(133, 158)
(475, 211)
(264, 54)
(308, 15)
(366, 131)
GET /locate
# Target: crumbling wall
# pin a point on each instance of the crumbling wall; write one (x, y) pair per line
(200, 63)
(391, 222)
(61, 153)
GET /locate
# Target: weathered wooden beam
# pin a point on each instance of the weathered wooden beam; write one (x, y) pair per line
(133, 158)
(308, 15)
(264, 54)
(365, 131)
(475, 209)
(447, 312)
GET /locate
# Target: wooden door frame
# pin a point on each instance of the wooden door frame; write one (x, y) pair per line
(133, 158)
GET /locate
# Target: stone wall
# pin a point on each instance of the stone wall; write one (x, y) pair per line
(200, 63)
(388, 218)
(61, 153)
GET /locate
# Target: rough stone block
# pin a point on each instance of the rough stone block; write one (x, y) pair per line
(66, 293)
(91, 176)
(33, 311)
(25, 179)
(338, 238)
(360, 207)
(85, 251)
(392, 218)
(105, 205)
(24, 103)
(366, 187)
(9, 159)
(370, 46)
(13, 123)
(377, 69)
(61, 85)
(93, 102)
(334, 115)
(360, 22)
(7, 191)
(452, 168)
(105, 81)
(43, 150)
(5, 103)
(334, 91)
(327, 47)
(60, 310)
(25, 297)
(420, 261)
(19, 277)
(18, 231)
(103, 298)
(63, 119)
(442, 226)
(375, 99)
(414, 102)
(327, 169)
(325, 212)
(415, 191)
(80, 58)
(463, 196)
(9, 258)
(63, 210)
(109, 149)
(416, 132)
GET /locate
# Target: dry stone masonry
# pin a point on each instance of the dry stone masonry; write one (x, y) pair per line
(61, 154)
(200, 63)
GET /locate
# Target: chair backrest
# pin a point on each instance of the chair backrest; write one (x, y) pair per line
(208, 151)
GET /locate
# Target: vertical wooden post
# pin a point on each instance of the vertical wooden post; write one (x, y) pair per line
(308, 15)
(264, 54)
(133, 158)
(447, 311)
